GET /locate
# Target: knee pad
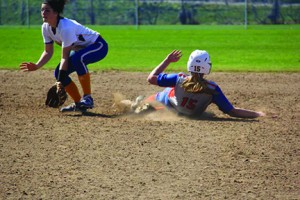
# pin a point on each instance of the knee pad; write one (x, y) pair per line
(63, 77)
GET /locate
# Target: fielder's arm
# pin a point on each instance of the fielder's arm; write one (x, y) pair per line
(44, 58)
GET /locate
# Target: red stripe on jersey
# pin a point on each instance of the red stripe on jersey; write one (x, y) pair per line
(172, 93)
(181, 74)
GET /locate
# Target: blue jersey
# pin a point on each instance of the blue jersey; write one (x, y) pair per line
(187, 103)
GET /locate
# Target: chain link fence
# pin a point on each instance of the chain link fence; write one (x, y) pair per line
(158, 12)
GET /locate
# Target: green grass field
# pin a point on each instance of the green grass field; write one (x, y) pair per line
(232, 48)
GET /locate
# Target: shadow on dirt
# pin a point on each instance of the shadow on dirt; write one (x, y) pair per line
(91, 114)
(206, 116)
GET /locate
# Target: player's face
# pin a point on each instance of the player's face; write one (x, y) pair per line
(48, 14)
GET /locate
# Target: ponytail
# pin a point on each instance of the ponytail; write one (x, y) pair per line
(196, 84)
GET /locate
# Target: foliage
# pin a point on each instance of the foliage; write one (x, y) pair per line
(123, 12)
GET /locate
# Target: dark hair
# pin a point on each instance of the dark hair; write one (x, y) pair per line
(56, 5)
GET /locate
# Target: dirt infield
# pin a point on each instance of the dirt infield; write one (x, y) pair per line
(106, 155)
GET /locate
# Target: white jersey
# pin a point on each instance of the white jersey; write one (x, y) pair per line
(69, 32)
(189, 103)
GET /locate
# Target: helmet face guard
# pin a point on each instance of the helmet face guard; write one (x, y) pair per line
(199, 62)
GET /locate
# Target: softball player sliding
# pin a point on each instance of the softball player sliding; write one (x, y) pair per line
(80, 47)
(190, 95)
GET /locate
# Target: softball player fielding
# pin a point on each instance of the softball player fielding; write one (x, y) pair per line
(80, 47)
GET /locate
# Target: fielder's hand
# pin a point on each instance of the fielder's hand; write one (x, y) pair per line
(59, 87)
(28, 66)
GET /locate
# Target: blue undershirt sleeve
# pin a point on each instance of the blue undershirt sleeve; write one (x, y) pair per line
(221, 101)
(167, 80)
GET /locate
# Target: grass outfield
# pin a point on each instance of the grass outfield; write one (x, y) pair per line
(232, 48)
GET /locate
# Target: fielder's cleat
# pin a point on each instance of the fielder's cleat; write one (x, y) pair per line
(87, 102)
(137, 102)
(74, 107)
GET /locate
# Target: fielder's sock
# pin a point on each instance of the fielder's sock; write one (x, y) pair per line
(73, 91)
(85, 82)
